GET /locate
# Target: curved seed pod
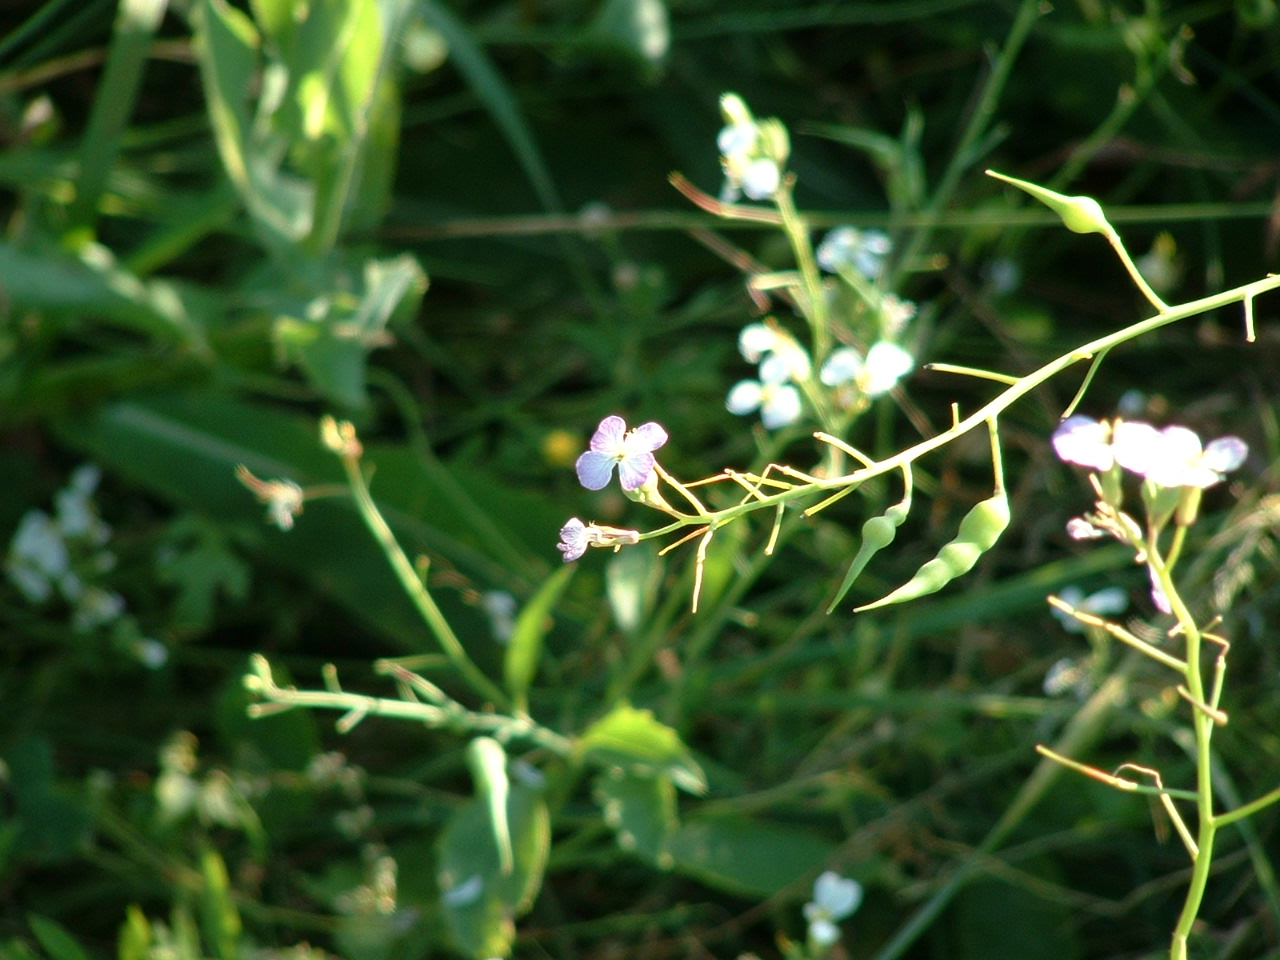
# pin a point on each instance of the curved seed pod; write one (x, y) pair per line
(877, 533)
(978, 533)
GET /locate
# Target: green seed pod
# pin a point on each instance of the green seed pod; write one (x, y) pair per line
(877, 533)
(978, 533)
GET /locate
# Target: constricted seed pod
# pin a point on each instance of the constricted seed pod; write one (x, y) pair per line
(978, 533)
(877, 533)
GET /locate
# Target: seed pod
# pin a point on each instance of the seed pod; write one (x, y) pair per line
(877, 533)
(978, 533)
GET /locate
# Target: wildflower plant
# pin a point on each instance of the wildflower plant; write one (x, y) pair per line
(835, 342)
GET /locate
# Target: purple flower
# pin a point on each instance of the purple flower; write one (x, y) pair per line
(574, 540)
(576, 536)
(632, 452)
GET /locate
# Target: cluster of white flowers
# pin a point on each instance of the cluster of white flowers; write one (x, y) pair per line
(784, 363)
(61, 554)
(753, 152)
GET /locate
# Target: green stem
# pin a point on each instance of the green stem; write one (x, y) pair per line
(414, 587)
(797, 230)
(988, 411)
(1202, 725)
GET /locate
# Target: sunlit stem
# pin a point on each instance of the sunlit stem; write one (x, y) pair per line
(1121, 634)
(1135, 274)
(682, 489)
(413, 584)
(797, 230)
(1202, 723)
(1130, 786)
(1084, 385)
(971, 372)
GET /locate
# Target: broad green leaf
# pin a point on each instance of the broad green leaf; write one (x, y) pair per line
(748, 857)
(92, 287)
(331, 334)
(525, 649)
(994, 920)
(641, 810)
(227, 46)
(634, 740)
(196, 559)
(53, 823)
(55, 939)
(480, 902)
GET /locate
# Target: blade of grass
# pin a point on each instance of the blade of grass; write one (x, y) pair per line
(135, 28)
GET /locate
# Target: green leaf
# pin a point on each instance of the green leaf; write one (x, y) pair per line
(330, 334)
(480, 902)
(641, 810)
(525, 650)
(135, 26)
(54, 824)
(747, 857)
(488, 762)
(196, 558)
(632, 578)
(633, 740)
(55, 939)
(135, 939)
(219, 918)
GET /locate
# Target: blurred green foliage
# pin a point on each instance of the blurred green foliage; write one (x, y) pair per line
(220, 220)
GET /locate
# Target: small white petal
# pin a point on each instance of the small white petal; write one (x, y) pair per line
(780, 406)
(744, 398)
(761, 178)
(1225, 454)
(1085, 442)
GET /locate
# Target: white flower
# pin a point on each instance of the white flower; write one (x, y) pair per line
(1173, 457)
(1085, 442)
(1169, 458)
(38, 556)
(777, 400)
(860, 250)
(834, 898)
(885, 364)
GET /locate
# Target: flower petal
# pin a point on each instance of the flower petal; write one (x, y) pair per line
(646, 438)
(744, 398)
(594, 469)
(780, 406)
(573, 540)
(1084, 441)
(1225, 454)
(1139, 447)
(609, 436)
(844, 364)
(635, 470)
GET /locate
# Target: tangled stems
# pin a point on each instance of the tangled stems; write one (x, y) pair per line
(786, 493)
